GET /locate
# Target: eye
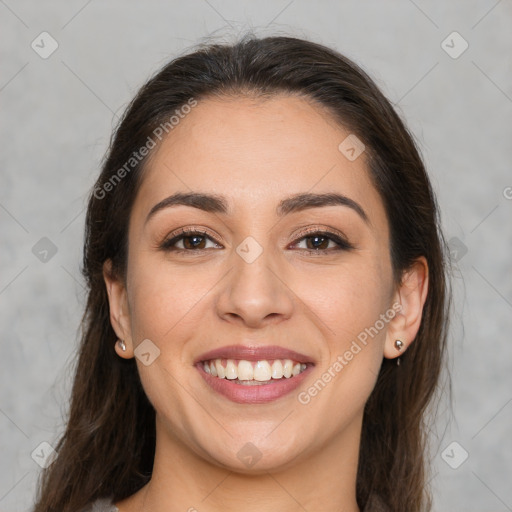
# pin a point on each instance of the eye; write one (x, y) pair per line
(324, 242)
(316, 242)
(188, 241)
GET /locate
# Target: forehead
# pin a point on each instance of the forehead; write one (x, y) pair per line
(255, 151)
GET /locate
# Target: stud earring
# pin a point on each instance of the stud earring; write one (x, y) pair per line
(399, 344)
(122, 345)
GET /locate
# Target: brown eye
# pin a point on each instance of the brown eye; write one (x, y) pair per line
(194, 242)
(188, 241)
(318, 242)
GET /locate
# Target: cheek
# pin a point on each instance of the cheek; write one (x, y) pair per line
(351, 309)
(346, 299)
(165, 307)
(163, 298)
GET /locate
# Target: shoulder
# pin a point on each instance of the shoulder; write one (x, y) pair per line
(101, 505)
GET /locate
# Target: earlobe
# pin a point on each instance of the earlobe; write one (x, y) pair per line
(119, 317)
(121, 349)
(411, 295)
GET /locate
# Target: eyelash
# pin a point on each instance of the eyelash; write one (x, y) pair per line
(343, 244)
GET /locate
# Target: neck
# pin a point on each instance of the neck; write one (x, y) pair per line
(183, 481)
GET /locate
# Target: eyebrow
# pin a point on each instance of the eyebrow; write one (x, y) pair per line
(213, 203)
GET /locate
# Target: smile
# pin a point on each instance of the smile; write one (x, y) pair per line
(253, 372)
(253, 382)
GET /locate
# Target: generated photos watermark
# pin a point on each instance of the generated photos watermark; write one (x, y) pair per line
(137, 156)
(304, 397)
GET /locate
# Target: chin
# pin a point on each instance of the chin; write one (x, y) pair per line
(256, 454)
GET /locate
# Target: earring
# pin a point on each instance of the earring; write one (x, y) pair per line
(398, 345)
(121, 345)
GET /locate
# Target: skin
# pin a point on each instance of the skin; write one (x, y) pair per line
(256, 152)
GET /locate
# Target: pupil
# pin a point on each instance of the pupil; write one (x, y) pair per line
(315, 239)
(197, 241)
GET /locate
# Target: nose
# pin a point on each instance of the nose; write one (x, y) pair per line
(255, 293)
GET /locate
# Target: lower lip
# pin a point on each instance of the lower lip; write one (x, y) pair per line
(256, 394)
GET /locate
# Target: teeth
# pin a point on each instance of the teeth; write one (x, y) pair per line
(287, 368)
(247, 372)
(231, 371)
(262, 371)
(277, 369)
(220, 369)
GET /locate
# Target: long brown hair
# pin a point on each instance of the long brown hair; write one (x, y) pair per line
(108, 446)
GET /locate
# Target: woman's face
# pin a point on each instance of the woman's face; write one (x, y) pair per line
(255, 285)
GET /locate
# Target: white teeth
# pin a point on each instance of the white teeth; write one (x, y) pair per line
(287, 368)
(231, 372)
(277, 369)
(262, 371)
(246, 372)
(220, 369)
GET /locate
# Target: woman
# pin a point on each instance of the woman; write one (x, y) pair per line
(267, 308)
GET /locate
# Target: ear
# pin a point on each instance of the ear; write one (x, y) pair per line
(119, 311)
(411, 296)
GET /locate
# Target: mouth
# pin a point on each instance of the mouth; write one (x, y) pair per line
(253, 375)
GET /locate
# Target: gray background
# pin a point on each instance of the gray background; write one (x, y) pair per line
(57, 116)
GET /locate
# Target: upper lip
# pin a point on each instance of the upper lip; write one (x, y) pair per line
(254, 353)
